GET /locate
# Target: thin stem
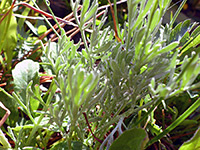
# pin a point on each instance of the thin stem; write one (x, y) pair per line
(6, 93)
(84, 114)
(44, 14)
(48, 6)
(51, 92)
(24, 107)
(86, 46)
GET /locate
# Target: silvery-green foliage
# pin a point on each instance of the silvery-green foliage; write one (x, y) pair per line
(128, 71)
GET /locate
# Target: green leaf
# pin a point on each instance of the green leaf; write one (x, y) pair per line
(115, 67)
(191, 43)
(85, 54)
(156, 52)
(31, 27)
(90, 13)
(133, 139)
(63, 145)
(169, 47)
(142, 14)
(4, 141)
(196, 31)
(193, 143)
(155, 20)
(70, 73)
(85, 7)
(24, 13)
(42, 29)
(23, 73)
(140, 34)
(18, 128)
(8, 36)
(87, 81)
(104, 47)
(30, 148)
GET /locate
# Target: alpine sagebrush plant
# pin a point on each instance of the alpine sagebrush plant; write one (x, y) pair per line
(146, 68)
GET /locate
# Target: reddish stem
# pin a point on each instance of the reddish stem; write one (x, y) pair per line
(114, 21)
(100, 141)
(46, 14)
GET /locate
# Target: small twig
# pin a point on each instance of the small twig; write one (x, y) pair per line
(46, 14)
(114, 21)
(6, 114)
(100, 141)
(106, 6)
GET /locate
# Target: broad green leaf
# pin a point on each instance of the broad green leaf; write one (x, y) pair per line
(41, 29)
(8, 36)
(23, 73)
(133, 139)
(193, 143)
